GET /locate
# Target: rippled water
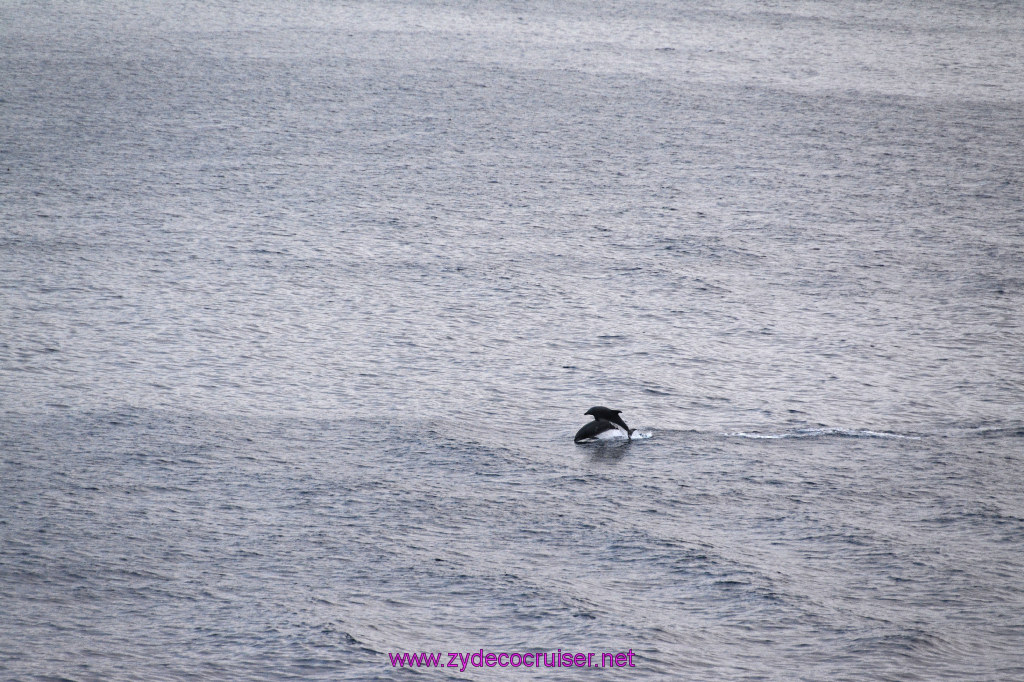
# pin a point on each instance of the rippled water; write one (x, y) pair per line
(301, 304)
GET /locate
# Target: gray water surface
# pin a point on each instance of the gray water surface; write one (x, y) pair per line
(302, 302)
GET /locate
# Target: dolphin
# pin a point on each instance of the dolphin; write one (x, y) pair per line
(605, 419)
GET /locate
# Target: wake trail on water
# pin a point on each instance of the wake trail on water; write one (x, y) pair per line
(821, 433)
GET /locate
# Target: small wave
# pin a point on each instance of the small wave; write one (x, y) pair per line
(994, 431)
(821, 433)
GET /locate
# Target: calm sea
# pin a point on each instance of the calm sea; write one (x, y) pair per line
(301, 304)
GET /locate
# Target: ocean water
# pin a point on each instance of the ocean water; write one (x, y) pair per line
(301, 304)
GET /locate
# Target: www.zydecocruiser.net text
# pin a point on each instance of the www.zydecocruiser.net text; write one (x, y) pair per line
(503, 659)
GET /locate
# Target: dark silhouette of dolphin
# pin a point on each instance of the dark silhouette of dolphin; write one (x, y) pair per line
(605, 419)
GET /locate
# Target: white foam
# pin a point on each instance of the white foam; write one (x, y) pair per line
(620, 435)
